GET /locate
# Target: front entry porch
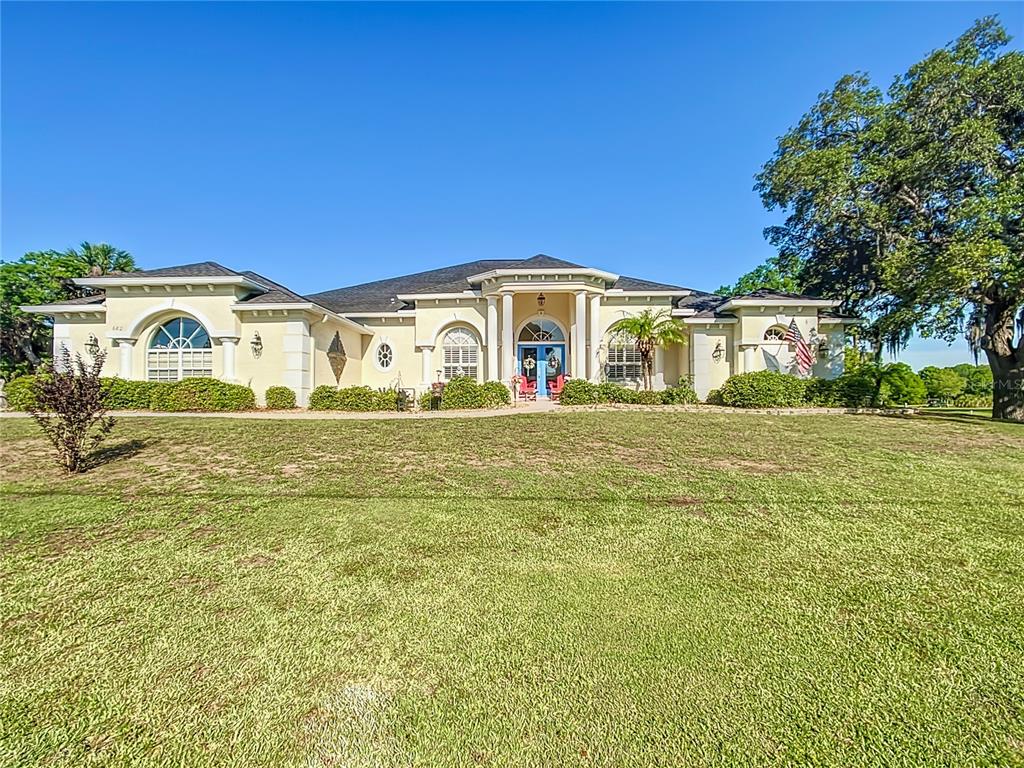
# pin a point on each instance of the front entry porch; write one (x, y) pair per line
(541, 365)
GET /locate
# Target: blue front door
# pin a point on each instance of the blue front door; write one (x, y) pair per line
(541, 363)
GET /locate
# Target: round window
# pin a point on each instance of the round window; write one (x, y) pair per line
(385, 356)
(775, 334)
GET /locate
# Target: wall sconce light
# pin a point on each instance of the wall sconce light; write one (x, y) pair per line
(92, 346)
(256, 345)
(822, 347)
(718, 353)
(541, 300)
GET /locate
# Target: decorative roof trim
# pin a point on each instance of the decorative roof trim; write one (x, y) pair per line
(709, 320)
(417, 296)
(53, 309)
(826, 320)
(769, 302)
(304, 306)
(112, 282)
(613, 292)
(382, 313)
(512, 272)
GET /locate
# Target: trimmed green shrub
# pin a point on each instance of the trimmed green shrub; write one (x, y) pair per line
(127, 395)
(822, 393)
(578, 392)
(682, 394)
(647, 397)
(201, 395)
(280, 398)
(356, 399)
(21, 393)
(327, 398)
(388, 400)
(610, 392)
(424, 400)
(323, 398)
(763, 389)
(714, 397)
(462, 392)
(854, 389)
(495, 394)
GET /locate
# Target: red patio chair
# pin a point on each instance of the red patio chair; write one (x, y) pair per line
(527, 388)
(555, 387)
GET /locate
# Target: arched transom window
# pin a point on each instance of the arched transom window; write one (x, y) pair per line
(179, 349)
(776, 334)
(541, 330)
(461, 353)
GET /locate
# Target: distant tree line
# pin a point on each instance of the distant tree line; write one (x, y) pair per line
(45, 277)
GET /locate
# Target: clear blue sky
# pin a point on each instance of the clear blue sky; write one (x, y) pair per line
(329, 144)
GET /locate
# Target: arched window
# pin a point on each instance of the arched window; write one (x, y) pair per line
(179, 349)
(775, 335)
(541, 330)
(461, 353)
(385, 356)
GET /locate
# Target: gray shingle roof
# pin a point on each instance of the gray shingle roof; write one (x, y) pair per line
(96, 298)
(543, 261)
(767, 293)
(278, 294)
(637, 284)
(704, 305)
(382, 295)
(199, 269)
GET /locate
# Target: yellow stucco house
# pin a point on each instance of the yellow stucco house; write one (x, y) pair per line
(490, 319)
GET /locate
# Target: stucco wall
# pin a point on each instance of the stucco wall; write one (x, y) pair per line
(74, 332)
(669, 362)
(753, 322)
(709, 373)
(400, 334)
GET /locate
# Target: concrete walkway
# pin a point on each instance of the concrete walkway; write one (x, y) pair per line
(539, 406)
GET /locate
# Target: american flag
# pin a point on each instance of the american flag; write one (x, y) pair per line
(804, 356)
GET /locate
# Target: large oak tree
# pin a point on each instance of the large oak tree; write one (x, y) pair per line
(45, 277)
(907, 204)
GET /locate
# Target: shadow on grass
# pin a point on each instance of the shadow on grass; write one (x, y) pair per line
(958, 417)
(111, 453)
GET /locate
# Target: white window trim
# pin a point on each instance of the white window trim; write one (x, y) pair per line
(476, 347)
(625, 365)
(204, 355)
(384, 341)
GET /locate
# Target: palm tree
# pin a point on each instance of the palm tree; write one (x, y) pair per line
(649, 330)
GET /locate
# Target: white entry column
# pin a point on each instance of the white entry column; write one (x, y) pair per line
(426, 356)
(492, 339)
(508, 352)
(126, 346)
(748, 357)
(579, 337)
(229, 343)
(594, 356)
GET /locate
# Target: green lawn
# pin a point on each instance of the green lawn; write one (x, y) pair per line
(591, 589)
